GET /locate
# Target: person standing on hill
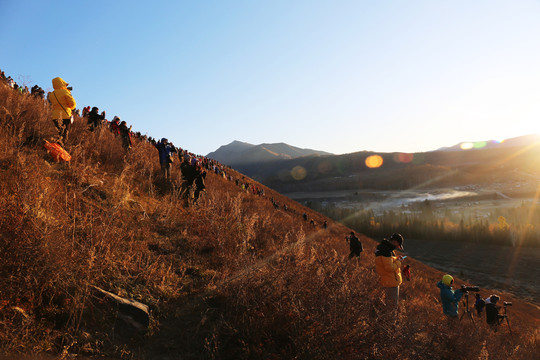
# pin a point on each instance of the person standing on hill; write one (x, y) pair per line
(189, 175)
(62, 103)
(115, 125)
(388, 266)
(407, 272)
(449, 297)
(493, 317)
(354, 244)
(94, 118)
(125, 135)
(199, 184)
(479, 304)
(165, 157)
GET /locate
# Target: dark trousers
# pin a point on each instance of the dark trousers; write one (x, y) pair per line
(63, 127)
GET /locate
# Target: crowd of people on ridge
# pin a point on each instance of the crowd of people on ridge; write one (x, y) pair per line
(34, 91)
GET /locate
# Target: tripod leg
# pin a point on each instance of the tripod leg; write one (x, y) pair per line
(508, 323)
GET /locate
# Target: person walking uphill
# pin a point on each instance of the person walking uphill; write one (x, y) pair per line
(388, 266)
(62, 103)
(165, 158)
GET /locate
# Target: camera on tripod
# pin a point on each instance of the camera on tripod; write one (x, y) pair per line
(465, 288)
(507, 303)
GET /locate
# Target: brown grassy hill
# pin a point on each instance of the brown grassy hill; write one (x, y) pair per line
(230, 277)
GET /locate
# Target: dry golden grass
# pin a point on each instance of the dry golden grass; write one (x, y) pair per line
(228, 278)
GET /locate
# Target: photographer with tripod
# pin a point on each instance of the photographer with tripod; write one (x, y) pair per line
(449, 297)
(493, 318)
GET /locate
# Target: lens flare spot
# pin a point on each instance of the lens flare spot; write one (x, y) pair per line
(374, 161)
(480, 144)
(324, 167)
(403, 158)
(298, 172)
(466, 146)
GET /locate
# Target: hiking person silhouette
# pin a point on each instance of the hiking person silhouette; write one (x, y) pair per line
(94, 118)
(189, 175)
(199, 184)
(125, 135)
(165, 155)
(354, 245)
(479, 304)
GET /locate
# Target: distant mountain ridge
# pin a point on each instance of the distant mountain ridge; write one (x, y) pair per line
(242, 153)
(515, 160)
(492, 144)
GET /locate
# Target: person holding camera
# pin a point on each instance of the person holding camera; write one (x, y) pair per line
(62, 103)
(449, 297)
(493, 318)
(388, 266)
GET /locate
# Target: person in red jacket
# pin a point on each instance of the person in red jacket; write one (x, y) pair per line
(407, 272)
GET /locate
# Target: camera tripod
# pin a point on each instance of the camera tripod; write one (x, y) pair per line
(467, 311)
(505, 316)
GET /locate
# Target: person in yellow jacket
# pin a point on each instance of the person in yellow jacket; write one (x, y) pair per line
(62, 103)
(388, 266)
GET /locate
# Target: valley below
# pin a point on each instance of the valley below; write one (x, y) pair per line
(493, 266)
(514, 270)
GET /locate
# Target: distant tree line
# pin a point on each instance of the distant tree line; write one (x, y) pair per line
(511, 227)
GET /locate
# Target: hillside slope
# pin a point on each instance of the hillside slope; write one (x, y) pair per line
(234, 276)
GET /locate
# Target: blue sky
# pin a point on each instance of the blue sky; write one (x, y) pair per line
(338, 76)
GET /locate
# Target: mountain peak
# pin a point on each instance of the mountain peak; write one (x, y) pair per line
(241, 153)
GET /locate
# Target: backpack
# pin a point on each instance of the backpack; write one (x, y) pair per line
(57, 152)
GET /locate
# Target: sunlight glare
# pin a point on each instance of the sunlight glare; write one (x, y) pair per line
(298, 172)
(374, 161)
(480, 144)
(403, 158)
(466, 146)
(324, 167)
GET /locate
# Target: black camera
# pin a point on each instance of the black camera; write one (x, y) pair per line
(506, 303)
(470, 288)
(70, 88)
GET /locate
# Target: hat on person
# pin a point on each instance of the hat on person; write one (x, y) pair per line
(398, 238)
(447, 280)
(494, 298)
(164, 140)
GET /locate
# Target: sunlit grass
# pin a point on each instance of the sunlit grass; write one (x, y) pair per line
(228, 277)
